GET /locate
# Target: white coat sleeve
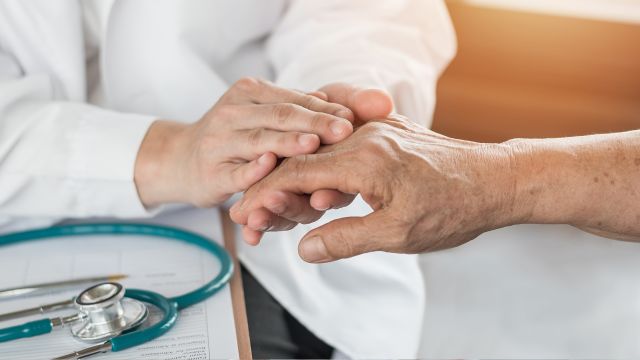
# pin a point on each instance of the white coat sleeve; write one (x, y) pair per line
(62, 159)
(401, 46)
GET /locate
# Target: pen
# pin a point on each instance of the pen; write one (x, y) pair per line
(37, 288)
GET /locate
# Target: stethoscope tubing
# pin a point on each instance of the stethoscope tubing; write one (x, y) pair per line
(28, 329)
(168, 306)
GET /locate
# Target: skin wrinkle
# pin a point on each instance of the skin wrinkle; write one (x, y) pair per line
(400, 153)
(522, 209)
(430, 192)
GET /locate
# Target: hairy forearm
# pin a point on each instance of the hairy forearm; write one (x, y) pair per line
(590, 182)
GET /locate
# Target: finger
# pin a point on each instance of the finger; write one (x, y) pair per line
(325, 199)
(367, 104)
(264, 92)
(291, 117)
(302, 175)
(372, 104)
(291, 206)
(344, 238)
(244, 175)
(252, 143)
(319, 94)
(251, 237)
(263, 220)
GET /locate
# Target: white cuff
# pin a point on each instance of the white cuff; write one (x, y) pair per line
(104, 147)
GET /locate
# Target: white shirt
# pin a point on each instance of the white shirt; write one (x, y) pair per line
(76, 102)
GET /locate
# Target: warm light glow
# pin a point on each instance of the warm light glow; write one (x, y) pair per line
(613, 10)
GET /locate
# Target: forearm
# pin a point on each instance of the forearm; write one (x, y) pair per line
(589, 182)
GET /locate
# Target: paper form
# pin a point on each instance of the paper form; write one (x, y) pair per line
(203, 331)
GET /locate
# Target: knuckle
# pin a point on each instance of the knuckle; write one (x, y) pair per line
(320, 121)
(295, 166)
(340, 246)
(299, 165)
(374, 148)
(309, 101)
(288, 140)
(283, 112)
(255, 137)
(225, 111)
(275, 202)
(246, 84)
(373, 128)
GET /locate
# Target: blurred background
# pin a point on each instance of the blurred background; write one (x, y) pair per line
(542, 68)
(537, 68)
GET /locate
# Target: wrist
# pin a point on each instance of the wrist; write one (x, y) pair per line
(494, 179)
(547, 181)
(155, 167)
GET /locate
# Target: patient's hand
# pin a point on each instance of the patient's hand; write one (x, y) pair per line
(428, 191)
(284, 210)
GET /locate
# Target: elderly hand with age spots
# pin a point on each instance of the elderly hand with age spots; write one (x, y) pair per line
(423, 194)
(431, 192)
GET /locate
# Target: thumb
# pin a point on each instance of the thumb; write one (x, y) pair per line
(344, 238)
(371, 104)
(367, 104)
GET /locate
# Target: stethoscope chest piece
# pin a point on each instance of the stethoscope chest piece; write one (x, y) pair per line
(104, 312)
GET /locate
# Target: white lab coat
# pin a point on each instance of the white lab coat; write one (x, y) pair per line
(533, 291)
(81, 83)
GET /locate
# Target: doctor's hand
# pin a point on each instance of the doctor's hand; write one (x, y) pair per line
(284, 210)
(427, 191)
(235, 144)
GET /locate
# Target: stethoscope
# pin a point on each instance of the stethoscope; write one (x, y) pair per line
(107, 314)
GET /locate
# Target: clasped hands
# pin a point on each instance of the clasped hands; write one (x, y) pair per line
(427, 191)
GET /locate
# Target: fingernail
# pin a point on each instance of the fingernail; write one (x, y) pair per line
(262, 226)
(338, 128)
(234, 208)
(306, 140)
(313, 250)
(323, 208)
(237, 207)
(345, 114)
(262, 160)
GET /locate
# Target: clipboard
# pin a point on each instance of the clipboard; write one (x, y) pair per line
(237, 291)
(47, 255)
